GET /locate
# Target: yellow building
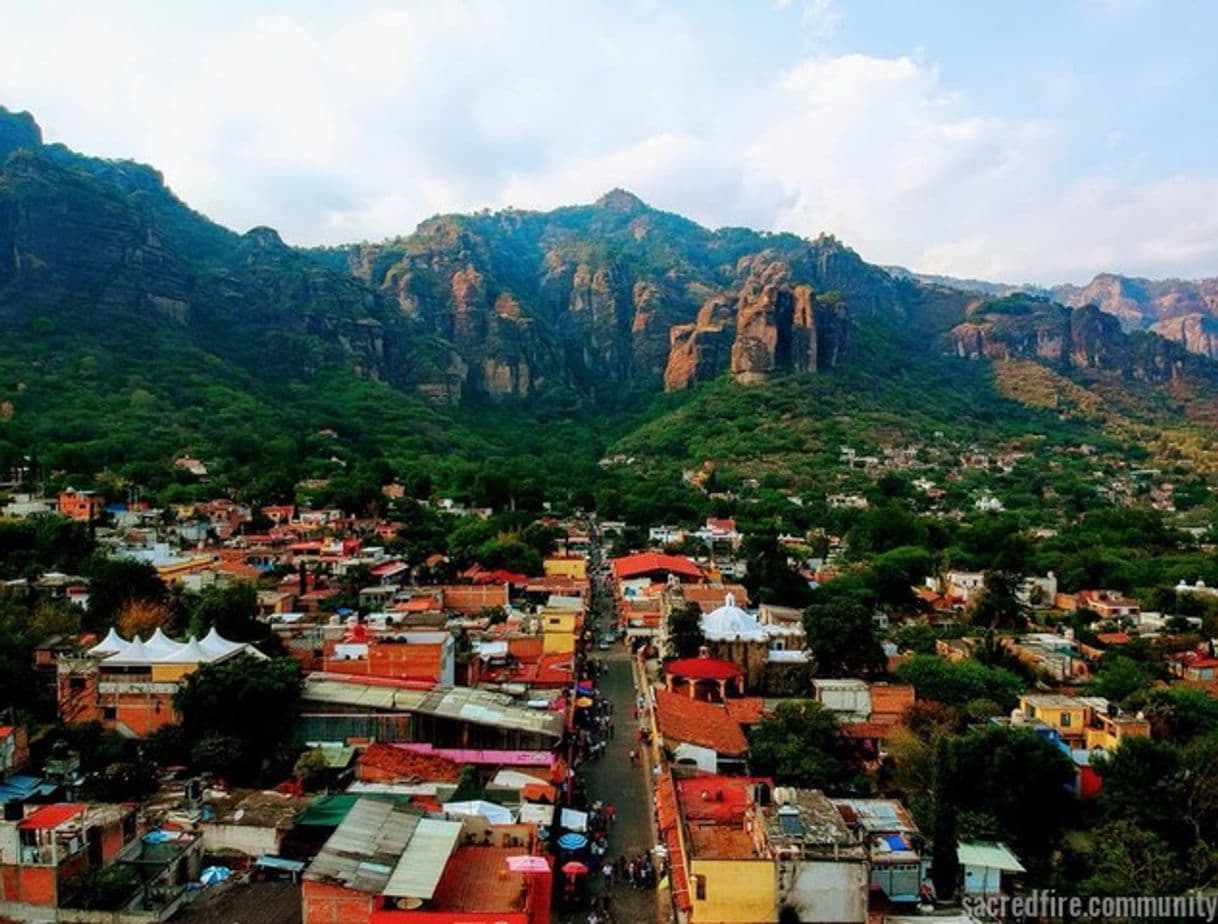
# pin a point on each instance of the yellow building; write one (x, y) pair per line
(560, 628)
(1064, 713)
(574, 567)
(1108, 732)
(730, 889)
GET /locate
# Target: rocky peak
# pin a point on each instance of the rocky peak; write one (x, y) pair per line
(18, 131)
(621, 200)
(264, 238)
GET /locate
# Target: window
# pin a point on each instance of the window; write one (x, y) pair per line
(1065, 720)
(700, 888)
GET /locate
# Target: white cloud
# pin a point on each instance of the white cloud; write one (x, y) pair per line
(358, 124)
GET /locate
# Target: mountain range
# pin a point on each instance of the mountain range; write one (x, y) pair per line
(117, 297)
(1182, 310)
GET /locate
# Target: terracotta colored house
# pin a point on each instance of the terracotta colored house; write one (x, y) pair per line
(386, 864)
(84, 506)
(53, 844)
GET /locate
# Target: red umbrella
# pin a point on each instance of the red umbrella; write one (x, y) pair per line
(574, 868)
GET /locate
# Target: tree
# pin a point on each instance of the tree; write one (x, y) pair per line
(1181, 713)
(843, 640)
(1143, 784)
(947, 865)
(685, 631)
(1119, 677)
(997, 607)
(997, 772)
(769, 577)
(801, 744)
(1128, 860)
(232, 610)
(115, 581)
(243, 710)
(957, 682)
(139, 617)
(311, 770)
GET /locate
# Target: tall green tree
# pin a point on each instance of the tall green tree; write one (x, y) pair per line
(843, 640)
(244, 709)
(801, 744)
(685, 631)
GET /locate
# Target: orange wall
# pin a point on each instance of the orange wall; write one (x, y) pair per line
(394, 660)
(330, 904)
(34, 885)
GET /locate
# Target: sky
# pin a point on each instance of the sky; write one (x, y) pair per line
(1033, 141)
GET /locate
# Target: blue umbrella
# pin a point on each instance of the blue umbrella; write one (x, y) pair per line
(214, 874)
(572, 841)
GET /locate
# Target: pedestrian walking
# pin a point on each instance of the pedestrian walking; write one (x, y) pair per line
(634, 757)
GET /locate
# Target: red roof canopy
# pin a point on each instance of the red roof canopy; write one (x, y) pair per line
(51, 816)
(703, 669)
(649, 562)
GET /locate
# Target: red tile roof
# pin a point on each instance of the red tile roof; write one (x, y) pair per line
(726, 797)
(704, 724)
(51, 816)
(703, 669)
(409, 765)
(648, 562)
(747, 710)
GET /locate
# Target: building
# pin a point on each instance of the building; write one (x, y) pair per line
(387, 864)
(84, 506)
(570, 566)
(129, 686)
(44, 849)
(757, 648)
(342, 709)
(426, 658)
(699, 735)
(987, 868)
(1087, 723)
(893, 843)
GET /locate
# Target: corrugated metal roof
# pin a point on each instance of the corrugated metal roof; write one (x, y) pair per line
(480, 707)
(991, 855)
(362, 853)
(420, 867)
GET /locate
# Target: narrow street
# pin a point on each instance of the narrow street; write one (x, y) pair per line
(611, 778)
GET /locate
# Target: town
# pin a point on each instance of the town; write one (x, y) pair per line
(446, 712)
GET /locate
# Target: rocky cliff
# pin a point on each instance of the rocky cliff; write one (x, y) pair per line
(1141, 303)
(1082, 339)
(618, 294)
(769, 326)
(1197, 333)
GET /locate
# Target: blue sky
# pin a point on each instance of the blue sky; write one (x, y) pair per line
(1031, 141)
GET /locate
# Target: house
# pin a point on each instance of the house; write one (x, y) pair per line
(248, 822)
(885, 827)
(387, 864)
(129, 686)
(732, 875)
(987, 868)
(1107, 604)
(849, 698)
(1088, 723)
(427, 658)
(645, 567)
(341, 708)
(14, 749)
(570, 566)
(822, 869)
(83, 506)
(44, 848)
(700, 735)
